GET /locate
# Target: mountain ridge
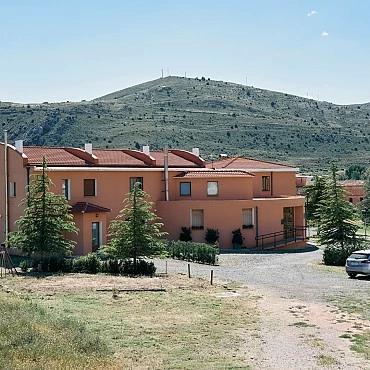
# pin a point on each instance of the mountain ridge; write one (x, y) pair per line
(216, 116)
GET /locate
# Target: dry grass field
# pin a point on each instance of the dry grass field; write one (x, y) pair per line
(165, 322)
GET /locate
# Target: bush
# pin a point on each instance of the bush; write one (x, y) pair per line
(142, 268)
(89, 264)
(196, 252)
(185, 235)
(336, 255)
(24, 266)
(111, 266)
(237, 237)
(212, 236)
(53, 264)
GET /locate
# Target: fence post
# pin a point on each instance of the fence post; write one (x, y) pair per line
(211, 277)
(189, 270)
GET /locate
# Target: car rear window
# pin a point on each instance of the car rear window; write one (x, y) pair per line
(359, 256)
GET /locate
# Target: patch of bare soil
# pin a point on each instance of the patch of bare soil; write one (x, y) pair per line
(304, 335)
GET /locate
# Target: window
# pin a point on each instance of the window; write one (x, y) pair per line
(212, 188)
(197, 219)
(266, 183)
(351, 200)
(12, 190)
(134, 180)
(185, 188)
(89, 187)
(66, 188)
(361, 199)
(248, 218)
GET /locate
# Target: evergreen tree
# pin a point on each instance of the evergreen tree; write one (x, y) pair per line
(315, 194)
(337, 227)
(365, 204)
(46, 220)
(135, 233)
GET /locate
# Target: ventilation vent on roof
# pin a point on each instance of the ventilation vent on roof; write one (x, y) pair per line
(146, 149)
(88, 148)
(19, 146)
(195, 151)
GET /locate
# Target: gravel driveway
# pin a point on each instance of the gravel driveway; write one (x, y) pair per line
(299, 327)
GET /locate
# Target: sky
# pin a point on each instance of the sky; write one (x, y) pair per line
(73, 50)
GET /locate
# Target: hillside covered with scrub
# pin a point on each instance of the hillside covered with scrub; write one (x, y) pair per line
(216, 116)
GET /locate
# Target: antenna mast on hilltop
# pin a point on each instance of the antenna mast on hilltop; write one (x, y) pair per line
(162, 72)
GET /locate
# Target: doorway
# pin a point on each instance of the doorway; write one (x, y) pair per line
(95, 236)
(288, 220)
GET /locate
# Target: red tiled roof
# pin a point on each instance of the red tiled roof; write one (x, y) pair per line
(114, 157)
(213, 174)
(54, 156)
(246, 163)
(84, 207)
(174, 160)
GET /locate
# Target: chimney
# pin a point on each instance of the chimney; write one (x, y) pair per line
(195, 151)
(19, 146)
(88, 148)
(146, 149)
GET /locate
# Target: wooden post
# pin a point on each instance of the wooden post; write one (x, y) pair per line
(189, 270)
(211, 277)
(166, 267)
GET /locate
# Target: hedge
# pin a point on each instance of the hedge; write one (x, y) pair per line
(195, 252)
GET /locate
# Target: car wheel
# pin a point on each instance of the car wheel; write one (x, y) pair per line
(352, 275)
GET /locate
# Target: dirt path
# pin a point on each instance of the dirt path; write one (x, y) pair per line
(303, 335)
(299, 329)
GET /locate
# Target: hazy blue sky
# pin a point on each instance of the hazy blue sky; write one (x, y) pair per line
(58, 50)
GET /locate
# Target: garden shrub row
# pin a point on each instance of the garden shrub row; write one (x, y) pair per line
(195, 252)
(92, 264)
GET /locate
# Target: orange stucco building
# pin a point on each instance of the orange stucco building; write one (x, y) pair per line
(256, 196)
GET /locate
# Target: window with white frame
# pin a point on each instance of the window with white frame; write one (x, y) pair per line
(212, 187)
(66, 188)
(197, 219)
(248, 218)
(89, 187)
(12, 190)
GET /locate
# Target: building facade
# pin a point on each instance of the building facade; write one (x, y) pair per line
(256, 196)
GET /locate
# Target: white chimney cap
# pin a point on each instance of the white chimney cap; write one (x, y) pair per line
(195, 151)
(88, 148)
(146, 149)
(19, 146)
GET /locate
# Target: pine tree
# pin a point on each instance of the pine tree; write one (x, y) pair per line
(315, 194)
(337, 216)
(46, 220)
(365, 204)
(135, 233)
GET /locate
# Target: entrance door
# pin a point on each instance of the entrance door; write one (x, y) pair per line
(95, 236)
(288, 217)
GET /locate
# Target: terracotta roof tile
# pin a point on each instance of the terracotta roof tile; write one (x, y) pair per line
(246, 163)
(54, 156)
(173, 160)
(213, 174)
(113, 157)
(84, 207)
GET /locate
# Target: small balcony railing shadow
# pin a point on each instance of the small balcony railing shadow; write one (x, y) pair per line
(281, 238)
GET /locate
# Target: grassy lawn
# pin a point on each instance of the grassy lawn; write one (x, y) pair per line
(188, 325)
